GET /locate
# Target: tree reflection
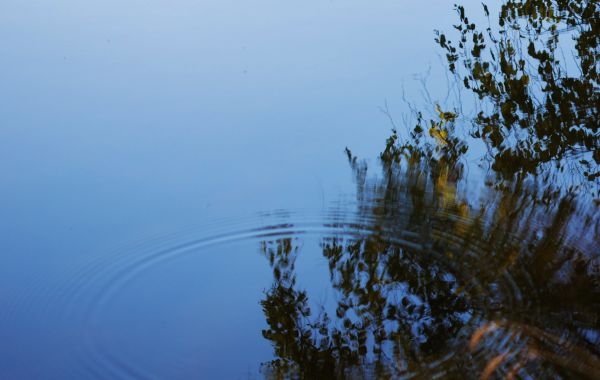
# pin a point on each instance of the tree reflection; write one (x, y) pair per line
(539, 103)
(433, 278)
(429, 283)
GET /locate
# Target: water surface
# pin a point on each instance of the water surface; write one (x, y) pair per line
(177, 203)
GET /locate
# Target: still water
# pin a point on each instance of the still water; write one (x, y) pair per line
(177, 201)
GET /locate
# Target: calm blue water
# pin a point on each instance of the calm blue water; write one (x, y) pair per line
(146, 147)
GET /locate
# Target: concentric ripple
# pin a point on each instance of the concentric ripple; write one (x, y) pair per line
(441, 297)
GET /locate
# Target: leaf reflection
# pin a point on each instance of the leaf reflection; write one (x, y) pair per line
(438, 279)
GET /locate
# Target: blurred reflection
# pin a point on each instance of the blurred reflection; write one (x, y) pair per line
(432, 282)
(434, 278)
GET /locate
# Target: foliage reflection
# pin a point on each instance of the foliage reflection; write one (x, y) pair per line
(428, 283)
(434, 278)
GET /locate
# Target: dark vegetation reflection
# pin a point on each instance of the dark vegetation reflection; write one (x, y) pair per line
(434, 278)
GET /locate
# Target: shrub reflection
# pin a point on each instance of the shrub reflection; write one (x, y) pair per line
(436, 278)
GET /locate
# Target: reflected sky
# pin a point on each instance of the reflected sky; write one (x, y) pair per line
(123, 120)
(154, 112)
(124, 126)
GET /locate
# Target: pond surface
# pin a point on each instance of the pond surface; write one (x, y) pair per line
(177, 201)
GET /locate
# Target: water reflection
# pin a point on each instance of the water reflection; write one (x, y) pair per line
(432, 282)
(536, 78)
(432, 270)
(436, 278)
